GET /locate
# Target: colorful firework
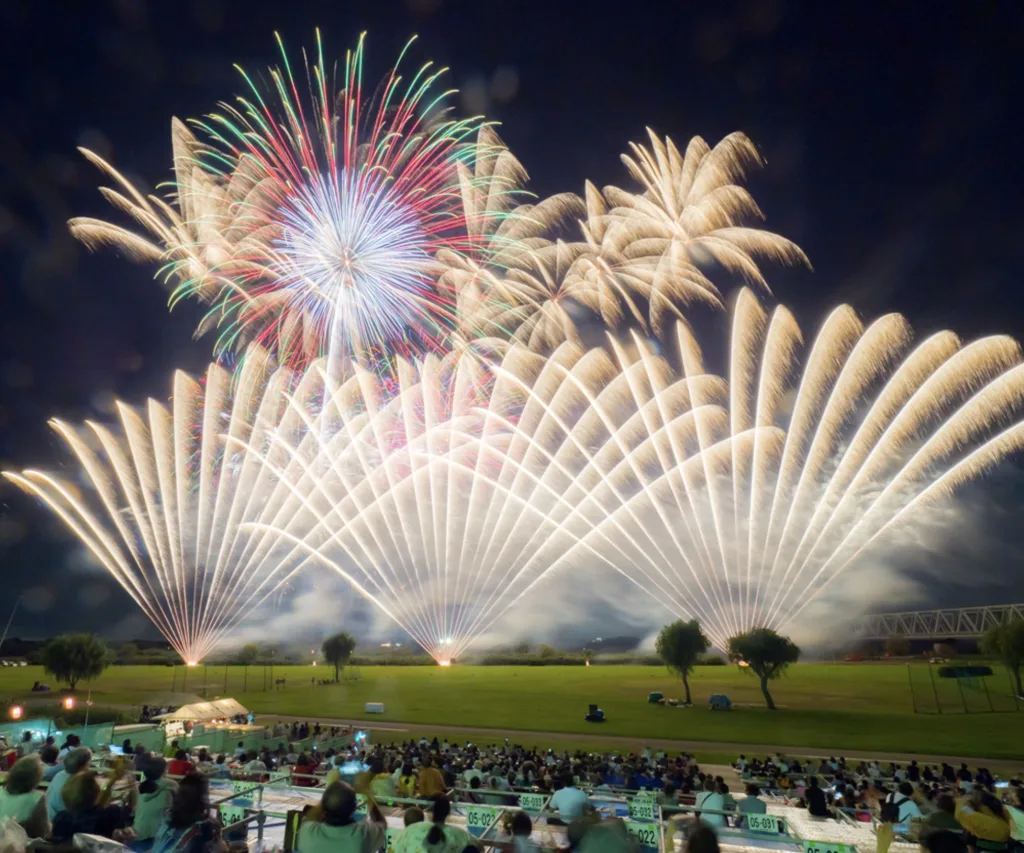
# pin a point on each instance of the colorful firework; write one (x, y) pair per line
(313, 225)
(448, 441)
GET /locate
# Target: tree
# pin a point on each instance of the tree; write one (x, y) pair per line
(546, 651)
(337, 650)
(588, 655)
(71, 657)
(249, 654)
(1007, 643)
(679, 646)
(766, 653)
(897, 646)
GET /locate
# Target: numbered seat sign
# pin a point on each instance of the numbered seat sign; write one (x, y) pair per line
(480, 817)
(641, 808)
(762, 823)
(646, 834)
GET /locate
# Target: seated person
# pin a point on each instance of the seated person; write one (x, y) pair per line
(943, 818)
(21, 800)
(88, 809)
(817, 804)
(433, 836)
(188, 826)
(51, 766)
(331, 826)
(156, 792)
(180, 765)
(709, 798)
(984, 817)
(569, 801)
(752, 803)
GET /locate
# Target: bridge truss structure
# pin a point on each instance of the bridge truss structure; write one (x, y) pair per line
(938, 624)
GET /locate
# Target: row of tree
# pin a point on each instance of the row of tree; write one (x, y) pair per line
(681, 646)
(766, 653)
(762, 651)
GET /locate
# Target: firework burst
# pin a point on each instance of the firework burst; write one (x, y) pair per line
(310, 223)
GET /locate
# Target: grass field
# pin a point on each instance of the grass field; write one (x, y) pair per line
(822, 706)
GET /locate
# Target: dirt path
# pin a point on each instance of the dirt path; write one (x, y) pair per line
(1000, 766)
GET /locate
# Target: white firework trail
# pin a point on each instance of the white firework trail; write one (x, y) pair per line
(447, 490)
(729, 507)
(164, 496)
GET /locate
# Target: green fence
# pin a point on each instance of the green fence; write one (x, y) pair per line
(93, 736)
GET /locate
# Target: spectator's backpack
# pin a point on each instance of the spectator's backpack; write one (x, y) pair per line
(890, 811)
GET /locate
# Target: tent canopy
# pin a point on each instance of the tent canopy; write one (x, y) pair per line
(199, 712)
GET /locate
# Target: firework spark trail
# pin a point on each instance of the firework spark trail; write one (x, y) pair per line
(447, 492)
(166, 499)
(312, 226)
(456, 443)
(438, 450)
(870, 421)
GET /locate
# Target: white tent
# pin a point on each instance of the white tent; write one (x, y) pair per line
(199, 712)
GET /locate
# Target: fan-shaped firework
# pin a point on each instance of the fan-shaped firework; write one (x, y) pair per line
(313, 225)
(162, 502)
(457, 443)
(729, 507)
(429, 497)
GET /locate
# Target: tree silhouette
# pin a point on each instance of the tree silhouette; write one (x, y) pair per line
(71, 657)
(337, 651)
(680, 645)
(766, 653)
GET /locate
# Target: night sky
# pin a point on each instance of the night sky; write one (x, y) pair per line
(892, 134)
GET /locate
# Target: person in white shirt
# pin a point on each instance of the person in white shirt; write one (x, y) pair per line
(903, 798)
(253, 763)
(21, 801)
(522, 829)
(72, 743)
(709, 798)
(74, 762)
(569, 801)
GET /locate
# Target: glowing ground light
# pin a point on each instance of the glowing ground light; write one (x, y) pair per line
(444, 663)
(68, 703)
(192, 663)
(16, 712)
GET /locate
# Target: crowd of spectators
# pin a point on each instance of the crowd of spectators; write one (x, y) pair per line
(160, 803)
(910, 800)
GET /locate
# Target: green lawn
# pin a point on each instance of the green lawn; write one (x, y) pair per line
(823, 706)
